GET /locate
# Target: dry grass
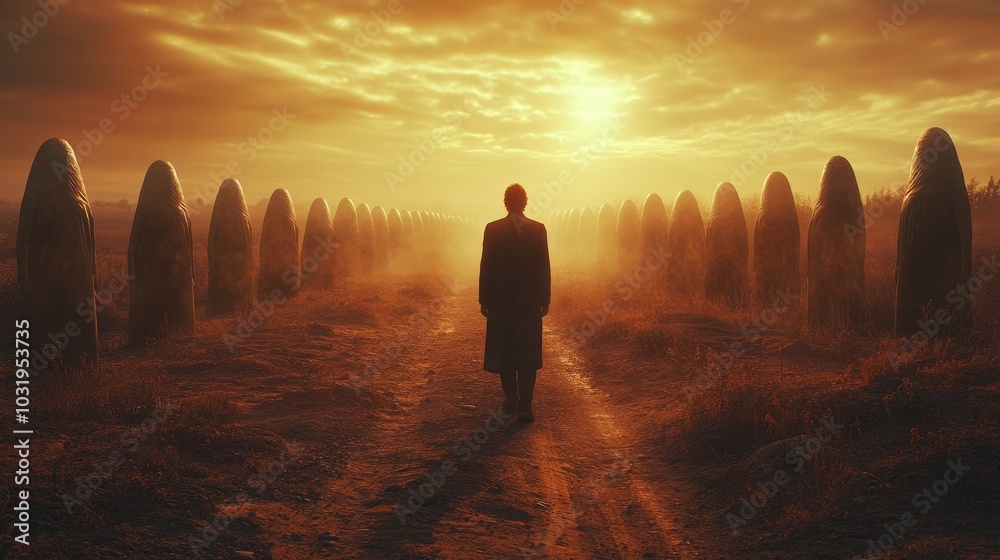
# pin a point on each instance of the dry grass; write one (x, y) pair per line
(902, 424)
(111, 393)
(233, 415)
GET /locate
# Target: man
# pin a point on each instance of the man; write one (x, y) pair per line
(514, 293)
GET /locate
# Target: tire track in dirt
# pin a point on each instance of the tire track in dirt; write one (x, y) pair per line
(616, 513)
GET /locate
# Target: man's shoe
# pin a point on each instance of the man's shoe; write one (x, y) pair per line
(510, 406)
(524, 414)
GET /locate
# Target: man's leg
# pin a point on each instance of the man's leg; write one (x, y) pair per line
(526, 386)
(508, 380)
(526, 390)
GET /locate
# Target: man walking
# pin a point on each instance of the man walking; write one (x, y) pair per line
(514, 293)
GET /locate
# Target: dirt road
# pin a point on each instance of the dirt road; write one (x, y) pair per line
(447, 475)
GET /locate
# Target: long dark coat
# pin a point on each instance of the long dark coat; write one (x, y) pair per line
(514, 284)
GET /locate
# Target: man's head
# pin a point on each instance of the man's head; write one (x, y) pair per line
(515, 198)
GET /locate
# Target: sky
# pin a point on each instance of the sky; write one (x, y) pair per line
(439, 105)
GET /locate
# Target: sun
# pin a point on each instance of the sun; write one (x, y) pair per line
(594, 102)
(586, 94)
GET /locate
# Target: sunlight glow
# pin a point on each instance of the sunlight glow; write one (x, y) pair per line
(638, 16)
(593, 102)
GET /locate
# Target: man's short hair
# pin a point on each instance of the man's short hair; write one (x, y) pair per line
(515, 198)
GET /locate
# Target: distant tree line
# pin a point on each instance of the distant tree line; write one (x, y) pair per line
(984, 199)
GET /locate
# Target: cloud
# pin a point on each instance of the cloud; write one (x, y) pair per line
(697, 87)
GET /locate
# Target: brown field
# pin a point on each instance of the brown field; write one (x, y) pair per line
(900, 428)
(277, 449)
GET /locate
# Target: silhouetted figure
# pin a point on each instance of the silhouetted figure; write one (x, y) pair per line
(607, 224)
(279, 276)
(419, 229)
(686, 246)
(430, 231)
(56, 262)
(380, 223)
(514, 293)
(627, 235)
(397, 229)
(407, 218)
(727, 250)
(230, 253)
(345, 229)
(587, 236)
(366, 238)
(316, 259)
(934, 251)
(776, 241)
(572, 238)
(835, 258)
(653, 225)
(160, 260)
(560, 225)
